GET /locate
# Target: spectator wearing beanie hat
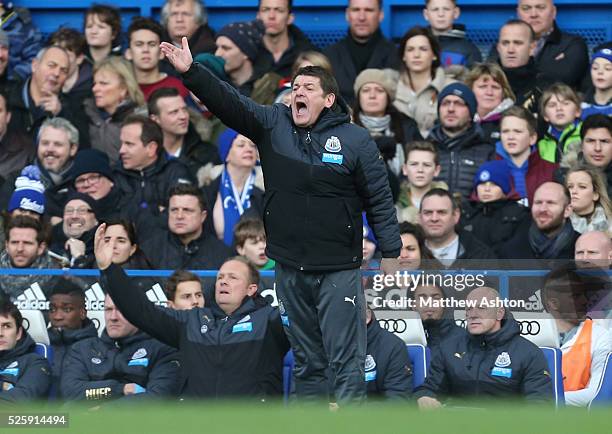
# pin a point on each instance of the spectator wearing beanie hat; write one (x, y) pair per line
(27, 199)
(461, 146)
(92, 175)
(239, 178)
(238, 45)
(493, 214)
(373, 110)
(73, 237)
(29, 194)
(598, 99)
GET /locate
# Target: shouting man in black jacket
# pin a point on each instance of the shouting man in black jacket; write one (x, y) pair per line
(320, 172)
(491, 360)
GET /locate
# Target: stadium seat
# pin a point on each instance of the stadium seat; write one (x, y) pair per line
(604, 390)
(538, 327)
(42, 350)
(34, 323)
(97, 317)
(553, 358)
(419, 356)
(405, 324)
(287, 375)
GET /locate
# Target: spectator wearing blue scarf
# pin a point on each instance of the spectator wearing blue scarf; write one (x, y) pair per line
(234, 188)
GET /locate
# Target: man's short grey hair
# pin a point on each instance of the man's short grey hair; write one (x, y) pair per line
(61, 124)
(198, 8)
(42, 51)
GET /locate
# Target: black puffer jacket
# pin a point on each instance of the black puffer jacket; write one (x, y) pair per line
(149, 188)
(165, 250)
(564, 57)
(493, 223)
(98, 368)
(437, 330)
(460, 157)
(528, 82)
(25, 372)
(500, 364)
(314, 196)
(388, 368)
(61, 342)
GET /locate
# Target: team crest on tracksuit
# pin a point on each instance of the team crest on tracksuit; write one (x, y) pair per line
(370, 368)
(501, 366)
(503, 360)
(333, 144)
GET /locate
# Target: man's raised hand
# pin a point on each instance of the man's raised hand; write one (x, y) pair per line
(102, 249)
(181, 57)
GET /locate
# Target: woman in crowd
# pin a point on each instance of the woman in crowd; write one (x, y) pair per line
(493, 95)
(591, 206)
(232, 189)
(102, 28)
(375, 90)
(414, 254)
(116, 95)
(421, 78)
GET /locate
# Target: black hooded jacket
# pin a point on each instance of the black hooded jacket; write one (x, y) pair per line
(98, 368)
(166, 250)
(500, 364)
(61, 342)
(148, 188)
(237, 355)
(445, 328)
(318, 179)
(23, 372)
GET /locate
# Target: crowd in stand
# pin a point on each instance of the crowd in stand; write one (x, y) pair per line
(108, 160)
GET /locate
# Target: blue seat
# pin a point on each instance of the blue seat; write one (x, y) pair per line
(287, 375)
(419, 356)
(604, 390)
(42, 350)
(553, 358)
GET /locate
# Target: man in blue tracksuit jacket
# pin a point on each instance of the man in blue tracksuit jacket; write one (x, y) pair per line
(491, 360)
(124, 362)
(24, 375)
(321, 172)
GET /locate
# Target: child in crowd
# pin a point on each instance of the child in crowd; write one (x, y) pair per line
(370, 244)
(493, 214)
(250, 240)
(599, 98)
(560, 108)
(421, 167)
(456, 48)
(517, 148)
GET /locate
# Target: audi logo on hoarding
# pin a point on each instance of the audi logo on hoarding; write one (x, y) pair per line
(531, 328)
(393, 325)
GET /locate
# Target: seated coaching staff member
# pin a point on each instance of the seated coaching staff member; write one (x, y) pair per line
(232, 347)
(321, 172)
(491, 360)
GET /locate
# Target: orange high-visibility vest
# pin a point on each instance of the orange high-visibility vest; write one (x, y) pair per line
(576, 363)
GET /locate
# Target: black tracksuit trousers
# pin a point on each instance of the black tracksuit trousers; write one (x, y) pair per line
(323, 314)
